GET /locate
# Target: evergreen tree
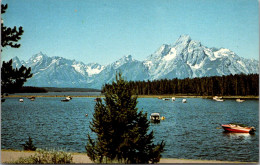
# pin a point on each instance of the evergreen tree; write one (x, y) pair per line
(11, 79)
(29, 146)
(9, 36)
(121, 130)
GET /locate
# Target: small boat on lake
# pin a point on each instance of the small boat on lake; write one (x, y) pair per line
(239, 100)
(69, 98)
(65, 100)
(217, 98)
(238, 128)
(21, 100)
(173, 98)
(31, 98)
(184, 101)
(155, 117)
(166, 99)
(2, 100)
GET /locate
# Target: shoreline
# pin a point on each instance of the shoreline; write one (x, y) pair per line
(140, 96)
(12, 155)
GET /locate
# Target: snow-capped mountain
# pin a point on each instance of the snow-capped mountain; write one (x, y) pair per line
(189, 58)
(185, 58)
(58, 71)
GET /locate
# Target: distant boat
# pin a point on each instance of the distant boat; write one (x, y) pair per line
(65, 100)
(155, 117)
(2, 100)
(217, 98)
(184, 101)
(239, 100)
(166, 99)
(69, 98)
(238, 128)
(21, 100)
(173, 98)
(31, 98)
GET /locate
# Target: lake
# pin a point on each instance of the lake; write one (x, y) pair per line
(191, 130)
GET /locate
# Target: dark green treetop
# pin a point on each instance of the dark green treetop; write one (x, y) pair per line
(122, 132)
(13, 79)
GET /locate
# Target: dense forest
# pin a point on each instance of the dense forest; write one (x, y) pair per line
(231, 85)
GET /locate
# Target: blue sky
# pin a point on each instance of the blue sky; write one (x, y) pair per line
(103, 31)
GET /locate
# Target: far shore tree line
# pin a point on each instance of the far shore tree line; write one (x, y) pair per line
(231, 85)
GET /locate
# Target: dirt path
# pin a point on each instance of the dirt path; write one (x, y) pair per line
(7, 156)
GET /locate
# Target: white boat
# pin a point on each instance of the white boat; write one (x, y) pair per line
(155, 117)
(239, 100)
(173, 98)
(184, 101)
(217, 98)
(68, 98)
(21, 100)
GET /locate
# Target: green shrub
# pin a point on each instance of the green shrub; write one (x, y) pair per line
(46, 157)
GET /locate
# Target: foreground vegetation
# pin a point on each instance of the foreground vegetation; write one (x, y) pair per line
(231, 85)
(45, 157)
(122, 132)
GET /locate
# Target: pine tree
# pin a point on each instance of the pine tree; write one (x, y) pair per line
(11, 79)
(121, 130)
(9, 36)
(29, 146)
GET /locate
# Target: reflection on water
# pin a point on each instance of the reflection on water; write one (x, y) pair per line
(241, 136)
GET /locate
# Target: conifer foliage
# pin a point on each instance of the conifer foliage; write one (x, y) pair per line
(29, 146)
(9, 36)
(12, 79)
(122, 132)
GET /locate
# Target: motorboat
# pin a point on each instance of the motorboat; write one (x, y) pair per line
(173, 98)
(65, 100)
(239, 100)
(217, 98)
(31, 98)
(184, 101)
(238, 128)
(166, 99)
(68, 97)
(21, 100)
(155, 117)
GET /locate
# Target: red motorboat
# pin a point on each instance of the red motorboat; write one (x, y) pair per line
(236, 128)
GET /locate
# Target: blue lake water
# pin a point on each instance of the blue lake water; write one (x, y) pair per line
(191, 130)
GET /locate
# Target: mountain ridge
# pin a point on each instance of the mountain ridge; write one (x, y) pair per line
(185, 58)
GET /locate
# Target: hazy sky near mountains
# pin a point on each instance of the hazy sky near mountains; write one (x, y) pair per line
(103, 31)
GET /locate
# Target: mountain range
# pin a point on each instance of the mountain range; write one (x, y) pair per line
(185, 58)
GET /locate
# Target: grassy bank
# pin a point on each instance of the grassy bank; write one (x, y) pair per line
(10, 156)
